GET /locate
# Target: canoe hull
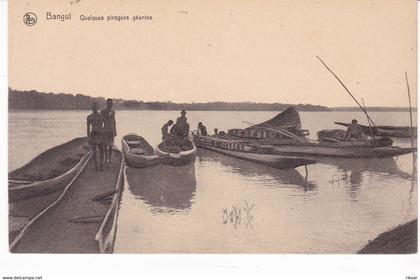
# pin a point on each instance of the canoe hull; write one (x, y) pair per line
(342, 152)
(135, 160)
(141, 162)
(307, 150)
(106, 233)
(24, 191)
(269, 159)
(178, 159)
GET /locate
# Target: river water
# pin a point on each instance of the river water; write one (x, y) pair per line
(223, 205)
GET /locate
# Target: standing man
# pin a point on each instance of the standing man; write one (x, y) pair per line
(95, 125)
(110, 129)
(183, 127)
(165, 129)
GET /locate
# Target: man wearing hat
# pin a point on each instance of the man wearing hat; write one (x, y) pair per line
(181, 128)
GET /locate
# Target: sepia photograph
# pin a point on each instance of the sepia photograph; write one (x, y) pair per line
(212, 127)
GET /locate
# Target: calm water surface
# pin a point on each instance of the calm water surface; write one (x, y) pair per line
(341, 205)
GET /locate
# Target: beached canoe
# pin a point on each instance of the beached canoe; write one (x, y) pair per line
(243, 150)
(105, 236)
(390, 131)
(181, 157)
(138, 152)
(50, 171)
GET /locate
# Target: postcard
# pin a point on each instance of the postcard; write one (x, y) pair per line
(227, 127)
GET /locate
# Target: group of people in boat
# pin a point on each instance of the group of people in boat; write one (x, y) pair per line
(180, 130)
(202, 130)
(101, 130)
(177, 132)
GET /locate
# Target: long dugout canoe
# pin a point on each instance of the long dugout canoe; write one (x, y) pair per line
(21, 185)
(335, 150)
(242, 151)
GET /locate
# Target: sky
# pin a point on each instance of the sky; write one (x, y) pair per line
(221, 50)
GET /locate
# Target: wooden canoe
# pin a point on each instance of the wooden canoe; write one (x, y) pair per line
(22, 185)
(138, 152)
(177, 158)
(242, 150)
(341, 150)
(105, 236)
(390, 131)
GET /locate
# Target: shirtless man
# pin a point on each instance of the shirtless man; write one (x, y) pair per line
(202, 129)
(95, 124)
(110, 129)
(354, 132)
(165, 129)
(182, 127)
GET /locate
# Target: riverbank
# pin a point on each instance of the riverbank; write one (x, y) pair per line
(400, 240)
(71, 226)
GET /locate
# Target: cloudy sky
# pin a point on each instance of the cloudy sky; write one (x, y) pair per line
(222, 50)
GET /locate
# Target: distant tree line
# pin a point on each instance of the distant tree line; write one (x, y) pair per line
(373, 109)
(34, 100)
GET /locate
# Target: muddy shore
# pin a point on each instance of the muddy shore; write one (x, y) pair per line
(399, 240)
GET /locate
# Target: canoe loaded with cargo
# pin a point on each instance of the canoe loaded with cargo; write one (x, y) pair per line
(177, 154)
(283, 139)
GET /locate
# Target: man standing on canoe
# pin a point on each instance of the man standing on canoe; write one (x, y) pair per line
(180, 129)
(110, 129)
(182, 126)
(95, 125)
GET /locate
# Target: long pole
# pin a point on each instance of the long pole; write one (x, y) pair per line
(411, 114)
(370, 127)
(348, 91)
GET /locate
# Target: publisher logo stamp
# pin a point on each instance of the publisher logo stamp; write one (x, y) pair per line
(30, 19)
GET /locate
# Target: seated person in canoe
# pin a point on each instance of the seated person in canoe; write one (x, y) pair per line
(355, 132)
(165, 129)
(202, 130)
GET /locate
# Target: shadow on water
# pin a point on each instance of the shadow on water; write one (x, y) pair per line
(251, 169)
(168, 189)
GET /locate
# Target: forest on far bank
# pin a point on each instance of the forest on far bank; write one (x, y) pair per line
(34, 100)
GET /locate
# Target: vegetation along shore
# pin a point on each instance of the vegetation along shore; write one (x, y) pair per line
(34, 100)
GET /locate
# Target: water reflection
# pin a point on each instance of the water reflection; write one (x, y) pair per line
(250, 170)
(167, 189)
(353, 171)
(354, 168)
